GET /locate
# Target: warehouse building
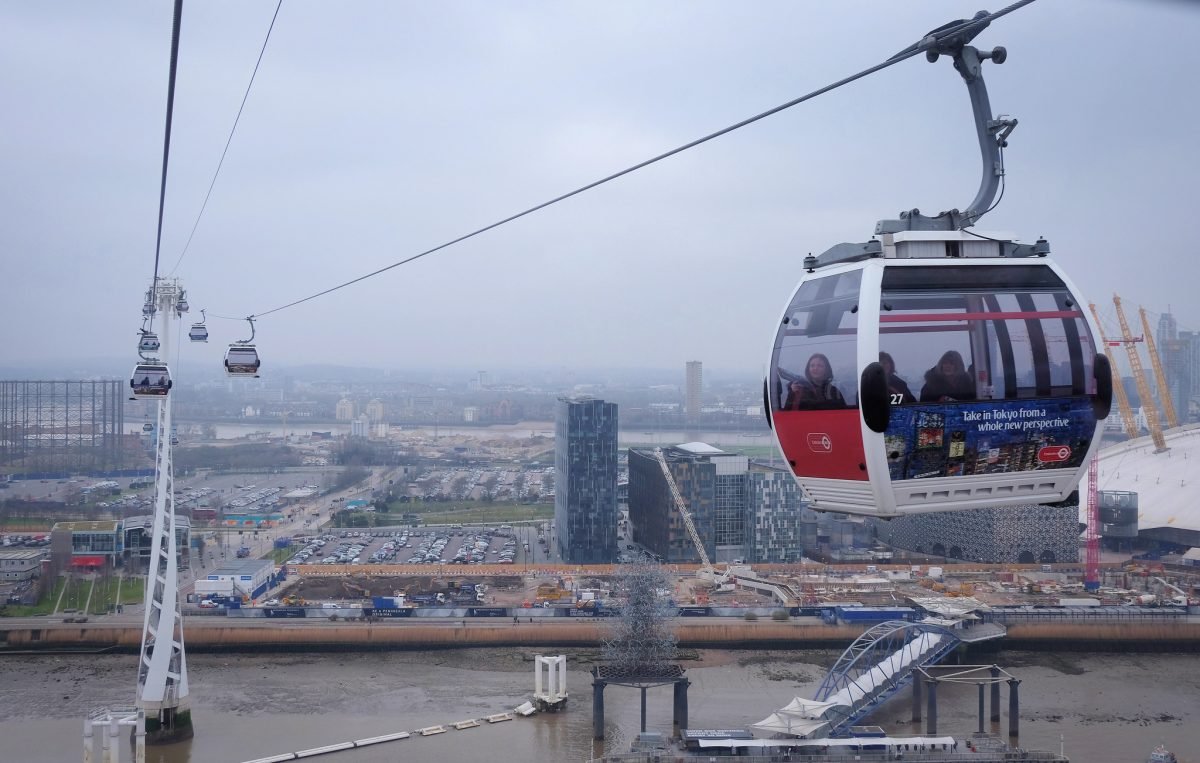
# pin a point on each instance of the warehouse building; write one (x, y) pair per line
(237, 579)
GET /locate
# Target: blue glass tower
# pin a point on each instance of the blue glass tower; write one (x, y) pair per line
(585, 473)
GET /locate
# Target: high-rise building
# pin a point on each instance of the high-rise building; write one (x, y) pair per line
(740, 510)
(777, 516)
(1167, 329)
(360, 427)
(1180, 351)
(375, 411)
(585, 476)
(344, 411)
(656, 521)
(1185, 363)
(695, 384)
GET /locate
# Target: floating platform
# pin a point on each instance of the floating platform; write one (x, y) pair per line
(469, 724)
(429, 731)
(499, 718)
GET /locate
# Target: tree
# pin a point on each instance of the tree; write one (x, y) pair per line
(642, 643)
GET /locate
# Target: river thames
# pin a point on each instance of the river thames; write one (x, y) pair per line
(1107, 708)
(524, 429)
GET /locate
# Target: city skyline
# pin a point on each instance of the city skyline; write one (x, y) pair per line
(333, 171)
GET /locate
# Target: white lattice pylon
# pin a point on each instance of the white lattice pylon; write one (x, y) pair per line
(162, 669)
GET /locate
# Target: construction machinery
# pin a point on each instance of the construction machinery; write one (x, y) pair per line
(721, 579)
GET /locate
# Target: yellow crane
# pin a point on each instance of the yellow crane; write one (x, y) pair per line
(1164, 394)
(1127, 418)
(1135, 362)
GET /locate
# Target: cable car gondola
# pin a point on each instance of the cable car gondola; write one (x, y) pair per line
(199, 331)
(150, 380)
(181, 305)
(148, 344)
(241, 359)
(936, 369)
(147, 427)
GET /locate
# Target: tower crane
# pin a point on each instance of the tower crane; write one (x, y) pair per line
(1164, 394)
(707, 570)
(1135, 362)
(1123, 406)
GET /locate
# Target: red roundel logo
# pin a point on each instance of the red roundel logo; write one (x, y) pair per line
(1053, 454)
(819, 442)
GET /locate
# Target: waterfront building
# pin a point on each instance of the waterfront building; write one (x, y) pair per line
(17, 564)
(360, 427)
(1014, 534)
(585, 475)
(741, 510)
(344, 411)
(375, 411)
(656, 521)
(89, 544)
(695, 385)
(136, 532)
(237, 578)
(779, 522)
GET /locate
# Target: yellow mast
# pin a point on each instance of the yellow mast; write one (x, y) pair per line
(1164, 394)
(1127, 418)
(1135, 362)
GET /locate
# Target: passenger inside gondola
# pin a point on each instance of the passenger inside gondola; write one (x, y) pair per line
(948, 381)
(815, 389)
(897, 388)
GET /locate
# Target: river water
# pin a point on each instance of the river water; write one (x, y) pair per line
(1107, 708)
(521, 430)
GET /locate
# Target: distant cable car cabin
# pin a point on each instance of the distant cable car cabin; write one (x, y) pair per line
(150, 380)
(198, 333)
(149, 343)
(242, 360)
(147, 427)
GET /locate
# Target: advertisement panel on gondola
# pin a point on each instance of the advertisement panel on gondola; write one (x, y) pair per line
(990, 437)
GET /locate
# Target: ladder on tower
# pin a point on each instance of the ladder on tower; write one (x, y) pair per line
(1135, 362)
(1164, 394)
(1127, 419)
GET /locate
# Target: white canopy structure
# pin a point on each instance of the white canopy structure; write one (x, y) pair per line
(792, 725)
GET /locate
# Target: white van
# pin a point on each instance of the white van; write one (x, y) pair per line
(330, 605)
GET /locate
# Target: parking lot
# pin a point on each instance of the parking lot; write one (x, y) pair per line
(400, 545)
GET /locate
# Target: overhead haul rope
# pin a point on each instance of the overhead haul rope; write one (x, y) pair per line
(229, 140)
(929, 42)
(162, 191)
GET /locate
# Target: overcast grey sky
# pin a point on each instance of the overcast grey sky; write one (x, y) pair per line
(378, 129)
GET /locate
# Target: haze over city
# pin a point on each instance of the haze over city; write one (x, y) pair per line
(377, 130)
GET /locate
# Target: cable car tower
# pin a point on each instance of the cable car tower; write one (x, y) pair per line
(162, 668)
